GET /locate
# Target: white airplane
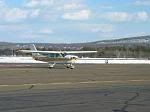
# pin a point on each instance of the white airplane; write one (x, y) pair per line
(56, 57)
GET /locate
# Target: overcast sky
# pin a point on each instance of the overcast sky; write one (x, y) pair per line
(62, 21)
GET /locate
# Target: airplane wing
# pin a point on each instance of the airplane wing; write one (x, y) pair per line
(78, 52)
(47, 52)
(42, 52)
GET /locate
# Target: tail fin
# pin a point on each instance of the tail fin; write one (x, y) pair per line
(32, 47)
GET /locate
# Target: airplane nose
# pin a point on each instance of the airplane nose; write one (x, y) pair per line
(72, 57)
(75, 57)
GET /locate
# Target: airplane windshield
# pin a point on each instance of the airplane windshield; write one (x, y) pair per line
(63, 54)
(54, 55)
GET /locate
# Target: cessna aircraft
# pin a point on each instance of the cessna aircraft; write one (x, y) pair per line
(55, 57)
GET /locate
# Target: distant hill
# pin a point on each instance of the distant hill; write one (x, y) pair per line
(7, 45)
(140, 40)
(131, 40)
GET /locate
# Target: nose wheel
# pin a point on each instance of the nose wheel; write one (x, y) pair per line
(70, 66)
(51, 65)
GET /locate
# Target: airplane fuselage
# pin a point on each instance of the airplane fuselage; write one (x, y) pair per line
(56, 58)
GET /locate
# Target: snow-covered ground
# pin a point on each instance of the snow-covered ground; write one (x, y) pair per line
(113, 61)
(18, 60)
(80, 61)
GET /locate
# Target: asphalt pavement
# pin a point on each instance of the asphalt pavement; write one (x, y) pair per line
(95, 99)
(87, 88)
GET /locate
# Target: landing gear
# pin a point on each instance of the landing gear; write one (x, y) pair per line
(70, 66)
(51, 65)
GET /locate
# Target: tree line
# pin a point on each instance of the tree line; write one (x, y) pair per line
(121, 52)
(103, 52)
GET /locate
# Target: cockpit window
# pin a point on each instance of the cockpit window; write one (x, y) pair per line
(63, 54)
(54, 55)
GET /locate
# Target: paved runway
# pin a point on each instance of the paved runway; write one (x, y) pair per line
(87, 88)
(95, 99)
(82, 73)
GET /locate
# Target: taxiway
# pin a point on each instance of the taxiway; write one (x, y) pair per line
(87, 88)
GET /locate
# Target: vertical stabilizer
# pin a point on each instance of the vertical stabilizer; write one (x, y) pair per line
(33, 48)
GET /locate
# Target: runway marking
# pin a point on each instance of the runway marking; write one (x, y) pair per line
(68, 83)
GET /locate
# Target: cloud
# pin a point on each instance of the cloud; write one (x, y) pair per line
(79, 15)
(11, 14)
(34, 13)
(125, 16)
(18, 14)
(97, 28)
(75, 10)
(37, 3)
(142, 16)
(117, 16)
(49, 10)
(72, 6)
(15, 14)
(2, 3)
(26, 32)
(104, 28)
(13, 27)
(46, 31)
(142, 2)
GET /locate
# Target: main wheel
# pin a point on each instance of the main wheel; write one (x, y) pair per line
(51, 66)
(72, 67)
